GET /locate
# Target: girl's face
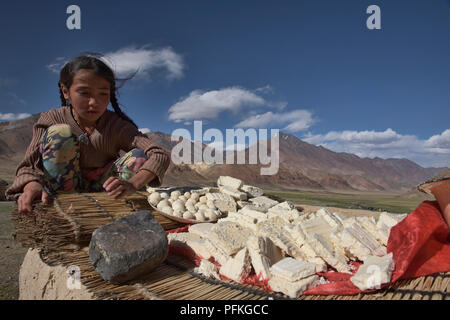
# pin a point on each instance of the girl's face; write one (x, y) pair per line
(90, 96)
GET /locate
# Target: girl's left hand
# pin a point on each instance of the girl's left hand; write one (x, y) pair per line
(118, 187)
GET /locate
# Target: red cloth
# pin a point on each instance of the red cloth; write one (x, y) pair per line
(420, 245)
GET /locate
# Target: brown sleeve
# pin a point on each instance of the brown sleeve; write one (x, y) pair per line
(30, 169)
(158, 158)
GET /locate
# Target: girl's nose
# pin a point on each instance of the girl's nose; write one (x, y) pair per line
(92, 102)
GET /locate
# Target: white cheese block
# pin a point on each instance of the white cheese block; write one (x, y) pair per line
(370, 225)
(219, 255)
(260, 262)
(238, 267)
(299, 237)
(208, 269)
(383, 233)
(274, 229)
(244, 221)
(263, 201)
(289, 215)
(190, 241)
(374, 272)
(229, 236)
(229, 181)
(384, 224)
(363, 237)
(252, 191)
(286, 205)
(251, 212)
(316, 225)
(241, 204)
(225, 206)
(201, 229)
(330, 218)
(390, 219)
(292, 269)
(236, 194)
(224, 202)
(294, 289)
(325, 250)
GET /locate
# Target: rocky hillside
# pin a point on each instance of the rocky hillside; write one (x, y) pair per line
(302, 165)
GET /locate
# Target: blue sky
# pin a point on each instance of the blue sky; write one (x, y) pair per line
(309, 68)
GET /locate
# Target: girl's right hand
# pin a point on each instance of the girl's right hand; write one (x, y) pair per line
(31, 191)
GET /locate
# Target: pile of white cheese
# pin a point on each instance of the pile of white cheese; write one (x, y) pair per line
(285, 246)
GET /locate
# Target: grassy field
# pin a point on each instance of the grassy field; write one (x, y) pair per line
(366, 201)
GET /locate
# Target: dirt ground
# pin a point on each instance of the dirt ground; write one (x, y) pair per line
(11, 255)
(12, 252)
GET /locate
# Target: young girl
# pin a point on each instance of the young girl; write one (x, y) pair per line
(75, 148)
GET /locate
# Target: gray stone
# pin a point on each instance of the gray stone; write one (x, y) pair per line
(128, 247)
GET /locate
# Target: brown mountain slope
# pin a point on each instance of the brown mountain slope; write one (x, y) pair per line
(302, 165)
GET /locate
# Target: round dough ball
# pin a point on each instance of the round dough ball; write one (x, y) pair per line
(195, 196)
(202, 199)
(164, 195)
(178, 205)
(182, 198)
(190, 201)
(188, 215)
(200, 216)
(167, 210)
(163, 203)
(191, 209)
(203, 207)
(154, 198)
(187, 194)
(175, 194)
(178, 213)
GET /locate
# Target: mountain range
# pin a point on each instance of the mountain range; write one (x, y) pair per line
(302, 166)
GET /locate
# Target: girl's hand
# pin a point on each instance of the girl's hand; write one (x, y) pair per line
(118, 187)
(31, 191)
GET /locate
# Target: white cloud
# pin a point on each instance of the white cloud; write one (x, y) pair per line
(147, 62)
(13, 116)
(127, 60)
(145, 130)
(387, 144)
(439, 141)
(57, 65)
(266, 89)
(208, 105)
(294, 121)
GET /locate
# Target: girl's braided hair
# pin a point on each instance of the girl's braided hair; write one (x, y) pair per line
(92, 61)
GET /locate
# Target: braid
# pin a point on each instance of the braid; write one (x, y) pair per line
(117, 109)
(61, 95)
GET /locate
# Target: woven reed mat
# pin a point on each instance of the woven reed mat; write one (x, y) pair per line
(175, 280)
(68, 221)
(63, 228)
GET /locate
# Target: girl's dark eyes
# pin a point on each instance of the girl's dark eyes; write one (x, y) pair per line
(103, 94)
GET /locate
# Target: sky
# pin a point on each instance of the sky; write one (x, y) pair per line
(316, 69)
